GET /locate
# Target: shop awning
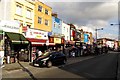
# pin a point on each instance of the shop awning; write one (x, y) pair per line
(17, 38)
(37, 42)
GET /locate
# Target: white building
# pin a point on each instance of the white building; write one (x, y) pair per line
(66, 31)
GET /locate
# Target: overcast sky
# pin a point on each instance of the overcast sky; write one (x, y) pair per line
(90, 15)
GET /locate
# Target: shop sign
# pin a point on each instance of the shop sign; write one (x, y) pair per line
(10, 26)
(62, 40)
(37, 34)
(24, 28)
(51, 40)
(85, 38)
(57, 40)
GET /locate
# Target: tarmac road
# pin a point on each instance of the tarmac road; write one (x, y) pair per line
(105, 66)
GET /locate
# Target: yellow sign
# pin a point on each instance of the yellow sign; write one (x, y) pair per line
(38, 36)
(57, 40)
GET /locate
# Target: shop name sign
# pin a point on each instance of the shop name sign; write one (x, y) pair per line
(37, 34)
(10, 26)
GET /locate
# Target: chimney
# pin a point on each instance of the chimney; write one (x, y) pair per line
(55, 15)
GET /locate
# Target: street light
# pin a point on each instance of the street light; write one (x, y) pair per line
(118, 31)
(96, 32)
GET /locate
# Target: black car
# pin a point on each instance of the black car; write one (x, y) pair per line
(50, 58)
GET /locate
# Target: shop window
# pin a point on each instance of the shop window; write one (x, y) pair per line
(18, 9)
(40, 8)
(46, 11)
(46, 22)
(28, 13)
(39, 20)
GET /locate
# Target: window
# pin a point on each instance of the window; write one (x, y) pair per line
(67, 29)
(46, 11)
(67, 37)
(54, 24)
(64, 28)
(40, 8)
(46, 22)
(18, 10)
(39, 20)
(28, 13)
(58, 25)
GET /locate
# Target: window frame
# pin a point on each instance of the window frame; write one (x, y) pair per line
(47, 22)
(39, 21)
(27, 14)
(47, 13)
(18, 9)
(40, 8)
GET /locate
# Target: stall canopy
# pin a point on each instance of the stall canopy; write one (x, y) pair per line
(17, 38)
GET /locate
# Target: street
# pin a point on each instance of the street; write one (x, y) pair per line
(104, 66)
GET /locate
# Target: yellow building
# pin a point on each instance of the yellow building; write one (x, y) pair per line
(23, 11)
(42, 17)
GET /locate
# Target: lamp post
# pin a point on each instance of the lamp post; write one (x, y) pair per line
(118, 31)
(96, 32)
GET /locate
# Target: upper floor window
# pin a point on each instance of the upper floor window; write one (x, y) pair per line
(40, 8)
(39, 20)
(67, 29)
(46, 11)
(46, 22)
(54, 24)
(18, 9)
(28, 13)
(59, 26)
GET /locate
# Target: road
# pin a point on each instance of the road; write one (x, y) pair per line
(105, 66)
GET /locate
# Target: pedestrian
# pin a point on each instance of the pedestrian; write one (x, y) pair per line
(39, 53)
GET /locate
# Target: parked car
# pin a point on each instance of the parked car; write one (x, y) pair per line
(50, 58)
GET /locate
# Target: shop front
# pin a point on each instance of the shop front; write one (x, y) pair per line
(1, 47)
(38, 40)
(16, 47)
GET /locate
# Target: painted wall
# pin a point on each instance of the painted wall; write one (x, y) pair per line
(5, 10)
(44, 16)
(56, 26)
(66, 30)
(10, 11)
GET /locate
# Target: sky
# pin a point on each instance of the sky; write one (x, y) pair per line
(89, 15)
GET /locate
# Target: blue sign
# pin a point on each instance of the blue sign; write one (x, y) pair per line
(49, 33)
(85, 38)
(57, 20)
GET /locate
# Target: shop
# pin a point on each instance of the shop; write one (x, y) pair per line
(1, 47)
(50, 43)
(38, 40)
(15, 45)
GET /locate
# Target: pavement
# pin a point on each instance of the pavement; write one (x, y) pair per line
(21, 65)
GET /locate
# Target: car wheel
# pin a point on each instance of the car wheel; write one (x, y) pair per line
(49, 64)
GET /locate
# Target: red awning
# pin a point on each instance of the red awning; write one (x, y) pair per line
(37, 42)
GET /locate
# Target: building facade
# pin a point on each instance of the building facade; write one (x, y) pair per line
(42, 17)
(19, 10)
(56, 26)
(66, 31)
